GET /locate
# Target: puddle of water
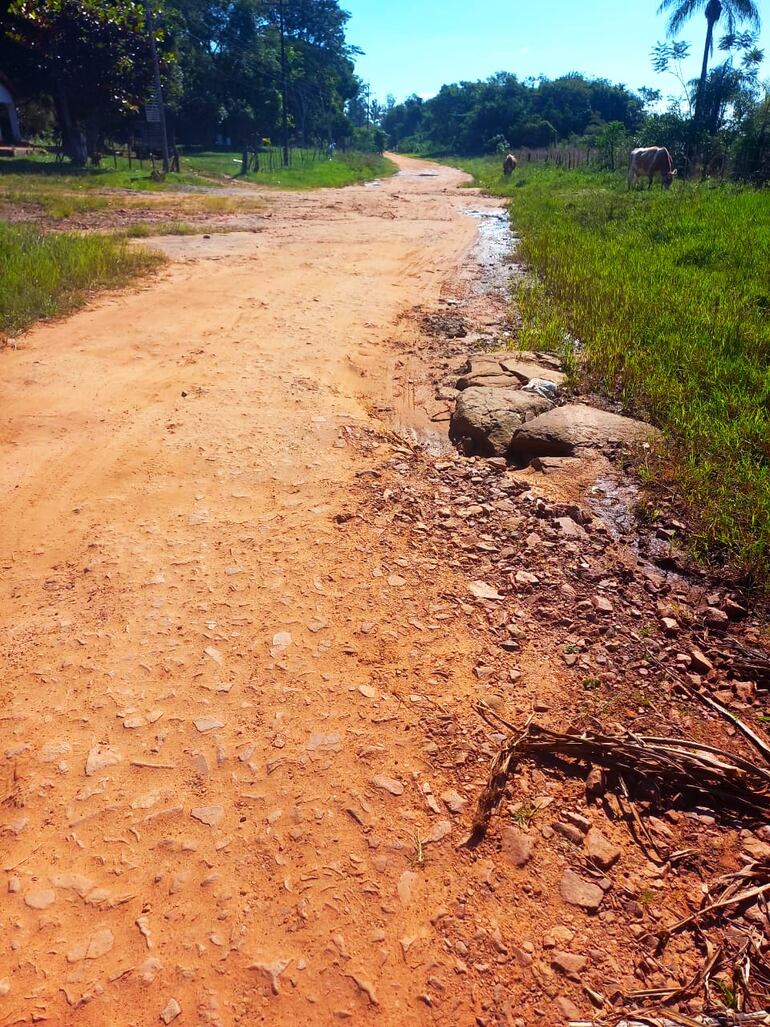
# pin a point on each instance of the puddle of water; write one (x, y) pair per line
(613, 501)
(492, 253)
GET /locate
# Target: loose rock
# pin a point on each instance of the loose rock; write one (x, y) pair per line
(273, 971)
(99, 944)
(206, 724)
(101, 757)
(578, 892)
(171, 1012)
(209, 815)
(388, 784)
(42, 899)
(568, 963)
(438, 832)
(601, 850)
(365, 986)
(454, 801)
(517, 846)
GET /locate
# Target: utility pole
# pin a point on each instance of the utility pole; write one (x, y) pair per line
(158, 84)
(285, 85)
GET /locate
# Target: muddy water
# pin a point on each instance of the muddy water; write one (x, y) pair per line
(613, 502)
(492, 253)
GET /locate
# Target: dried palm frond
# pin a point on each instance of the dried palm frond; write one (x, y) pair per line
(748, 662)
(751, 882)
(681, 766)
(675, 1020)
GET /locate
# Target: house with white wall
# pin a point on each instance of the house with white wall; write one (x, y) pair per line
(9, 118)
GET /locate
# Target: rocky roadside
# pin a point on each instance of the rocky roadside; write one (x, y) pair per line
(587, 628)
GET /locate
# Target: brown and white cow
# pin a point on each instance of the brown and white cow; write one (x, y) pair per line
(509, 165)
(651, 161)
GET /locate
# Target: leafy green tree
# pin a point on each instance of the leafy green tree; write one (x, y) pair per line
(468, 117)
(736, 12)
(91, 56)
(230, 69)
(752, 145)
(613, 142)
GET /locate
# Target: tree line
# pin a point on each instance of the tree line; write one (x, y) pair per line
(503, 111)
(718, 123)
(231, 70)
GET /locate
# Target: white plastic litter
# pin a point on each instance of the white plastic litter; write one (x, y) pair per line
(541, 387)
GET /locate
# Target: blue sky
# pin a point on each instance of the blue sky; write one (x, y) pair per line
(418, 45)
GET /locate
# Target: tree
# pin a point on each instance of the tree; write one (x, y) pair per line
(91, 56)
(752, 149)
(231, 76)
(471, 117)
(737, 11)
(614, 143)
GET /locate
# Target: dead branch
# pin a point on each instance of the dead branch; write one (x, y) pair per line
(759, 743)
(674, 1020)
(711, 776)
(728, 891)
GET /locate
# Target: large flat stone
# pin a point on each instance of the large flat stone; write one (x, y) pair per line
(508, 370)
(566, 430)
(488, 378)
(485, 420)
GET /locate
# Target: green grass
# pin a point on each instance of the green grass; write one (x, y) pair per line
(669, 294)
(343, 169)
(209, 170)
(46, 274)
(150, 229)
(38, 187)
(54, 175)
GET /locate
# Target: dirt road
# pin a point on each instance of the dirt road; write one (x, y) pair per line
(214, 774)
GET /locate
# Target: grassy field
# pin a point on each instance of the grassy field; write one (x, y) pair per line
(46, 274)
(208, 170)
(39, 189)
(669, 295)
(341, 170)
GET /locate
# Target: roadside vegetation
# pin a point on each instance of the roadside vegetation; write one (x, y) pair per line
(347, 168)
(48, 274)
(61, 192)
(669, 296)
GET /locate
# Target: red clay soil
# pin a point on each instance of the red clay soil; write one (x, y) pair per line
(239, 660)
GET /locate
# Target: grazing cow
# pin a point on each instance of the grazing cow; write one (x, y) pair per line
(509, 165)
(651, 161)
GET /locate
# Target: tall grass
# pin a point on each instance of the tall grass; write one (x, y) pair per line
(669, 294)
(43, 275)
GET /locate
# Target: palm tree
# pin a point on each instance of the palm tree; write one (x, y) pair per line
(682, 10)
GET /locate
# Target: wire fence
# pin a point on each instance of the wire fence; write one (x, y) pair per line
(568, 157)
(749, 163)
(271, 158)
